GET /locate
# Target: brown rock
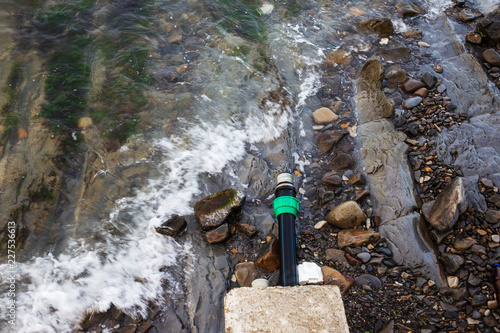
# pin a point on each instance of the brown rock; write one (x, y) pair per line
(245, 273)
(340, 161)
(339, 57)
(379, 25)
(218, 234)
(463, 244)
(468, 14)
(22, 134)
(144, 326)
(489, 27)
(215, 209)
(333, 277)
(324, 115)
(360, 194)
(173, 227)
(400, 54)
(422, 92)
(247, 229)
(357, 179)
(332, 178)
(346, 215)
(353, 261)
(268, 257)
(412, 85)
(491, 57)
(495, 199)
(473, 37)
(413, 33)
(407, 9)
(85, 122)
(329, 139)
(356, 237)
(450, 203)
(492, 216)
(336, 255)
(395, 74)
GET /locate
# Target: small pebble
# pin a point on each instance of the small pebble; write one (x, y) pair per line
(320, 224)
(423, 44)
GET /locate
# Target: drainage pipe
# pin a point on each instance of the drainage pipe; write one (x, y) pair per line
(286, 207)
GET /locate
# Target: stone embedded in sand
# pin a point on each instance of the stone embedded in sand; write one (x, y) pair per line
(347, 215)
(329, 139)
(215, 209)
(245, 273)
(356, 237)
(324, 115)
(339, 57)
(268, 256)
(333, 277)
(450, 203)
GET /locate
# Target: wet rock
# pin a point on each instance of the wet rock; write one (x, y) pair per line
(329, 139)
(411, 85)
(451, 262)
(492, 216)
(489, 27)
(413, 33)
(173, 227)
(255, 172)
(395, 74)
(357, 179)
(372, 103)
(407, 9)
(217, 208)
(325, 195)
(331, 178)
(407, 238)
(247, 229)
(268, 256)
(331, 84)
(356, 237)
(340, 161)
(368, 280)
(429, 80)
(346, 215)
(397, 54)
(245, 273)
(333, 277)
(218, 234)
(450, 203)
(491, 57)
(339, 57)
(324, 115)
(422, 92)
(473, 37)
(379, 25)
(336, 255)
(468, 14)
(495, 199)
(364, 256)
(462, 244)
(412, 102)
(384, 155)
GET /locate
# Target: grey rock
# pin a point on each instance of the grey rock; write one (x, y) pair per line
(384, 154)
(371, 101)
(218, 234)
(347, 215)
(255, 173)
(429, 80)
(372, 281)
(325, 195)
(396, 54)
(441, 88)
(217, 208)
(412, 247)
(450, 203)
(385, 250)
(395, 74)
(412, 102)
(492, 57)
(451, 262)
(364, 256)
(492, 216)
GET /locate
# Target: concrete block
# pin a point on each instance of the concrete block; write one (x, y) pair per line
(285, 309)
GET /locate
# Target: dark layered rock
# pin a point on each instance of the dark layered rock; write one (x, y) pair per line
(429, 80)
(218, 234)
(347, 215)
(329, 139)
(356, 237)
(451, 262)
(340, 161)
(371, 102)
(268, 256)
(489, 27)
(380, 25)
(173, 227)
(450, 203)
(217, 208)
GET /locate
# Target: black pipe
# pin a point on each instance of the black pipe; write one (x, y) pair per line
(285, 208)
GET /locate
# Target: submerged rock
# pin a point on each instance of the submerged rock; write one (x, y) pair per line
(380, 25)
(371, 102)
(450, 203)
(173, 227)
(329, 139)
(215, 209)
(468, 14)
(407, 9)
(347, 215)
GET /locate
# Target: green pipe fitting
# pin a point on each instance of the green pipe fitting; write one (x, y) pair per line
(286, 204)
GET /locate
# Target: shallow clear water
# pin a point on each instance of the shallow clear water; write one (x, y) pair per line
(203, 123)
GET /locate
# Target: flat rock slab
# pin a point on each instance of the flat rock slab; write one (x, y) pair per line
(285, 309)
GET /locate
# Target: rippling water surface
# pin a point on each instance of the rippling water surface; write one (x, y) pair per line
(179, 90)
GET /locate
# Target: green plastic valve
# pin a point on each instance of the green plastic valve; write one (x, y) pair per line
(286, 204)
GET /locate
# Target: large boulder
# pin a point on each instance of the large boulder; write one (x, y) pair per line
(346, 215)
(372, 103)
(450, 203)
(218, 208)
(489, 27)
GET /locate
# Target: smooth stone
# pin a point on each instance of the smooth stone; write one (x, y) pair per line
(320, 224)
(331, 178)
(324, 115)
(364, 256)
(463, 244)
(491, 57)
(340, 57)
(340, 161)
(396, 54)
(412, 102)
(333, 277)
(441, 88)
(336, 255)
(260, 283)
(384, 250)
(411, 85)
(468, 14)
(379, 25)
(245, 273)
(422, 92)
(346, 215)
(450, 204)
(372, 281)
(329, 139)
(356, 237)
(473, 37)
